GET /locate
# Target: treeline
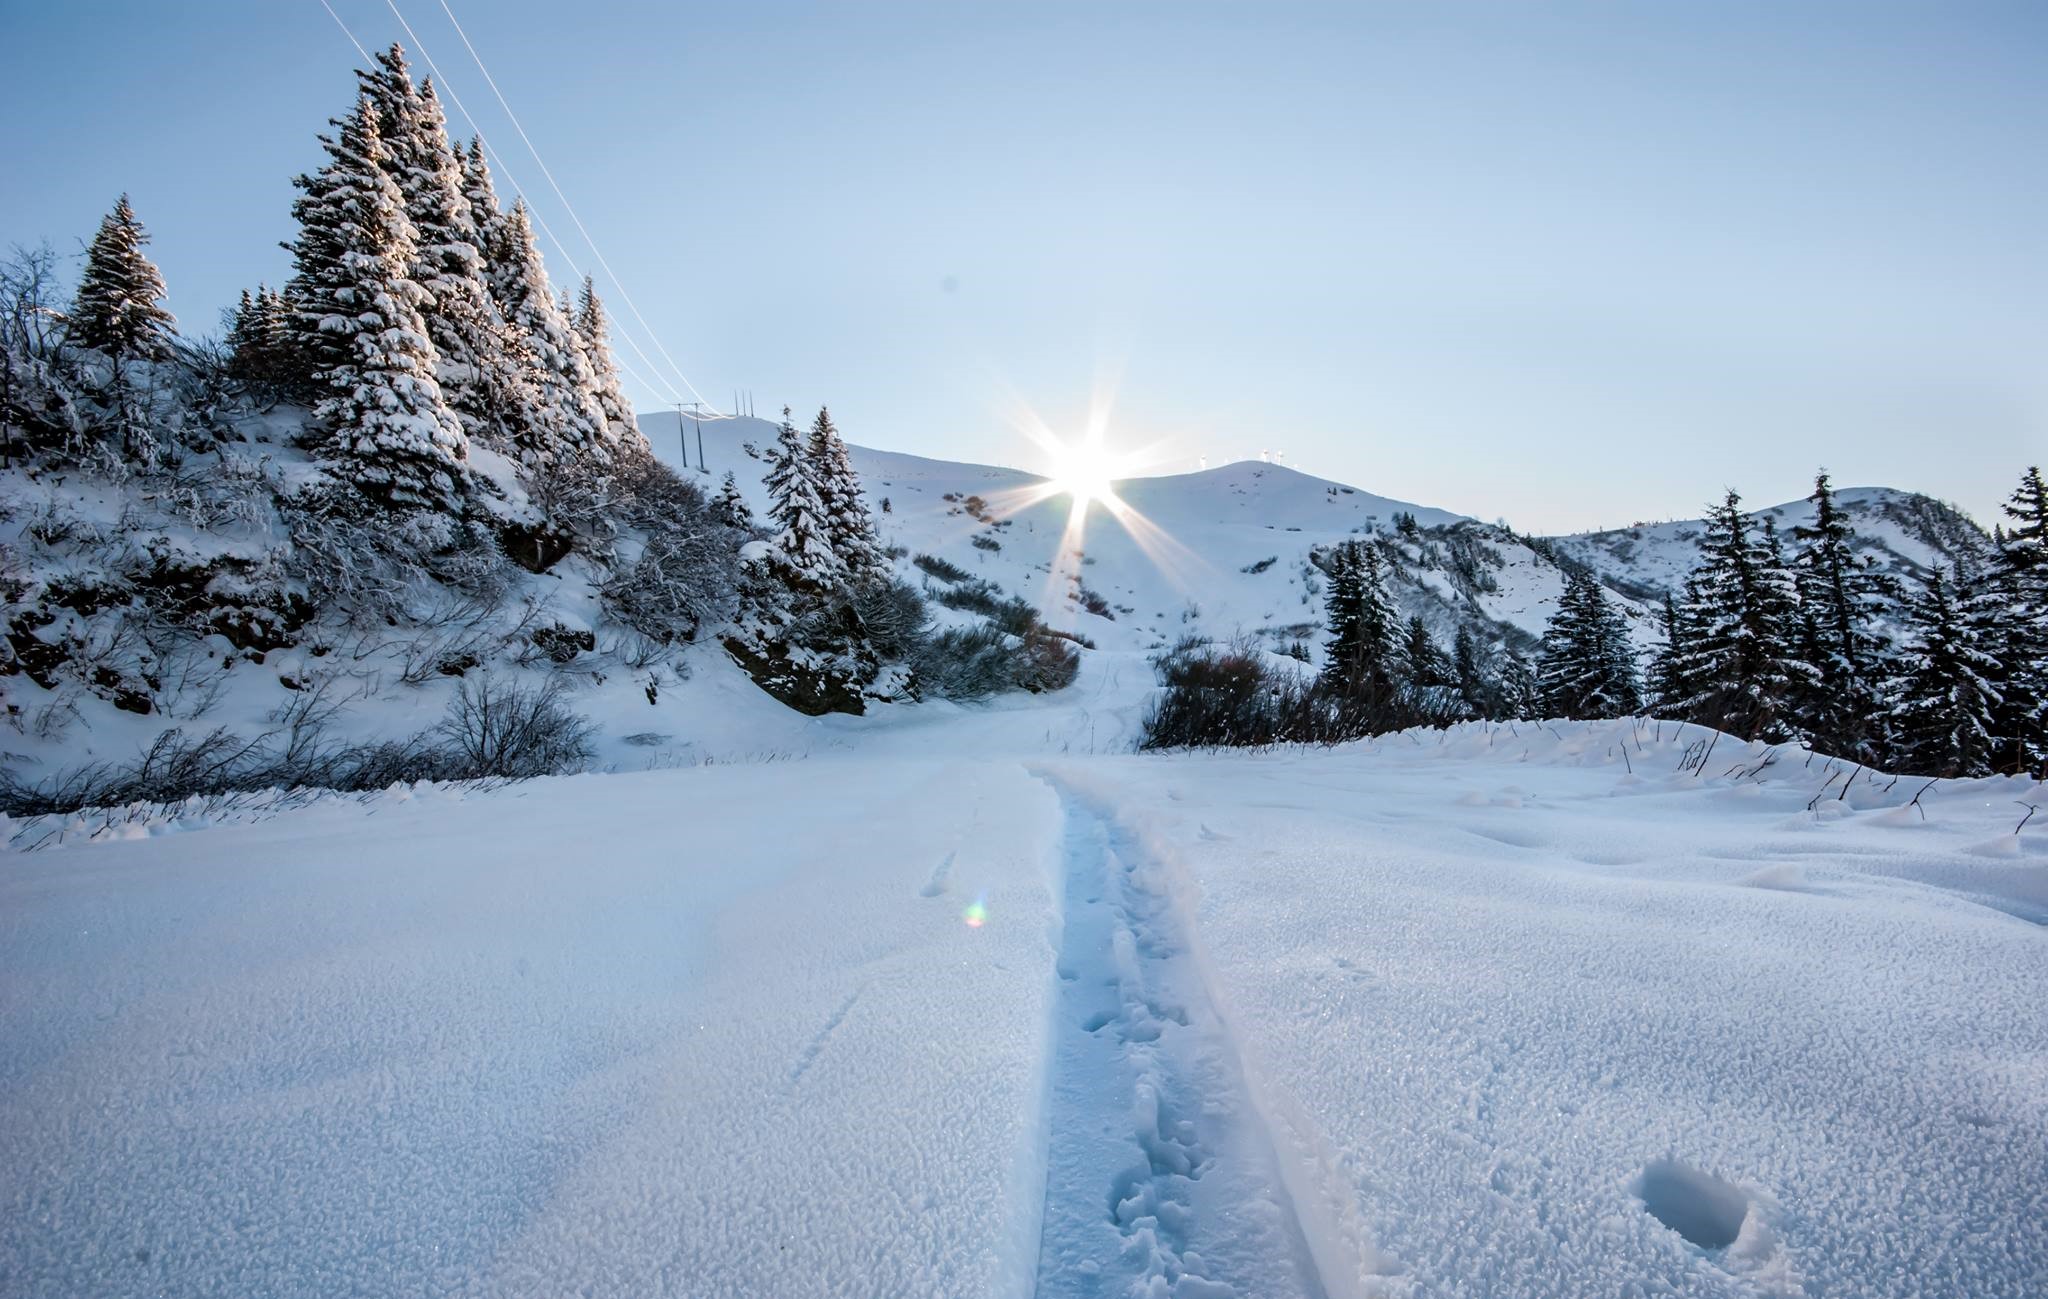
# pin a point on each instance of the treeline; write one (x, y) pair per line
(1816, 645)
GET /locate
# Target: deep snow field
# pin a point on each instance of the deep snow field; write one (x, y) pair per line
(964, 1001)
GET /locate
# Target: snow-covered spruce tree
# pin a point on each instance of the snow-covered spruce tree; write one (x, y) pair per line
(1944, 703)
(2013, 621)
(1429, 686)
(1740, 658)
(1841, 600)
(460, 316)
(849, 525)
(1587, 667)
(119, 308)
(799, 636)
(1521, 690)
(1669, 687)
(803, 541)
(567, 423)
(1362, 660)
(593, 326)
(1472, 671)
(730, 508)
(387, 426)
(118, 313)
(259, 341)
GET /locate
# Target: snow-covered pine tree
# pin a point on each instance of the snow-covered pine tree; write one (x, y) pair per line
(119, 307)
(243, 329)
(1521, 690)
(1363, 658)
(390, 428)
(2014, 629)
(1739, 658)
(1471, 670)
(849, 524)
(1944, 703)
(1429, 685)
(567, 424)
(593, 326)
(730, 508)
(1841, 599)
(1670, 688)
(460, 316)
(1587, 667)
(484, 213)
(803, 543)
(1340, 606)
(259, 340)
(1422, 664)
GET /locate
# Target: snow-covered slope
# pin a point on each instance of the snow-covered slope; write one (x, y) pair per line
(946, 1011)
(1219, 553)
(1903, 533)
(1225, 552)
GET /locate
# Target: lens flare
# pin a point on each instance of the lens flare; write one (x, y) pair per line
(976, 914)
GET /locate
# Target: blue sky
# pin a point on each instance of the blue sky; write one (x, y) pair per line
(1570, 265)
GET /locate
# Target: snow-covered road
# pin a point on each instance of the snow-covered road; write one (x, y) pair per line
(1485, 1013)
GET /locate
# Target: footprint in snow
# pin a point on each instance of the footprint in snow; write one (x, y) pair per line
(1212, 836)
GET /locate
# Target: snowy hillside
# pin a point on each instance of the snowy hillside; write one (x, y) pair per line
(1903, 533)
(952, 1009)
(1228, 548)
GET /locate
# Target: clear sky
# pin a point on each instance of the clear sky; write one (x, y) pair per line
(1566, 264)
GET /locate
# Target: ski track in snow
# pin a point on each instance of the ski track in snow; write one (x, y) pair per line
(821, 1039)
(1160, 1181)
(936, 885)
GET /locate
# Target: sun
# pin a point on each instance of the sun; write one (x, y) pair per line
(1085, 470)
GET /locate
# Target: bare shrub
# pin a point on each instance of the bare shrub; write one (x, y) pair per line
(498, 728)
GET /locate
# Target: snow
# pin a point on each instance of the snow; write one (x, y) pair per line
(1510, 1011)
(642, 1034)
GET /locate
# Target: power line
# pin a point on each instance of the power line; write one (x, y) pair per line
(624, 294)
(345, 31)
(498, 160)
(511, 180)
(652, 386)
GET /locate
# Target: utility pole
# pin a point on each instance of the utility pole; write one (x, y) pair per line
(702, 468)
(683, 437)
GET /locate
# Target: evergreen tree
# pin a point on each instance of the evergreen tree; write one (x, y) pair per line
(850, 526)
(1340, 605)
(460, 316)
(2013, 623)
(1422, 663)
(1945, 700)
(1430, 685)
(484, 213)
(566, 422)
(1521, 690)
(593, 326)
(1739, 658)
(391, 428)
(259, 340)
(1588, 667)
(1361, 666)
(1841, 599)
(804, 537)
(1670, 688)
(730, 508)
(1472, 674)
(119, 307)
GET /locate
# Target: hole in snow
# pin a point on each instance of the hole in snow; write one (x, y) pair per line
(1699, 1206)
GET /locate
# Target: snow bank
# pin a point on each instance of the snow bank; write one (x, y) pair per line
(1527, 1022)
